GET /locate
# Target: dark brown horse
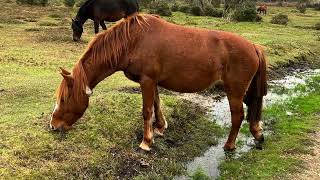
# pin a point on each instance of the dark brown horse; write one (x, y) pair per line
(100, 11)
(262, 9)
(154, 53)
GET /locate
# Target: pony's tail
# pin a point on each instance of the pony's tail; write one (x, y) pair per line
(257, 88)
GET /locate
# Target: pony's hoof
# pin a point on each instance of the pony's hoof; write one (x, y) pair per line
(144, 146)
(229, 148)
(259, 142)
(157, 132)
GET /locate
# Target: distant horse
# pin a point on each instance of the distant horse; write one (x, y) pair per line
(262, 9)
(100, 11)
(153, 52)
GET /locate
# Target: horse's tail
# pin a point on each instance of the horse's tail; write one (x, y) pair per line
(257, 88)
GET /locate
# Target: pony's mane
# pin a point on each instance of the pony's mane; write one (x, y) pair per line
(105, 49)
(108, 46)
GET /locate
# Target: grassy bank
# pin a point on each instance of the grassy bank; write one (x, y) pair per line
(35, 41)
(293, 125)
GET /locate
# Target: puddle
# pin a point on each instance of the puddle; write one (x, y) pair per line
(220, 113)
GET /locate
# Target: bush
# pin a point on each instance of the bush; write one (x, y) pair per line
(302, 8)
(175, 7)
(196, 10)
(210, 11)
(317, 6)
(246, 12)
(184, 8)
(317, 26)
(160, 7)
(280, 19)
(33, 2)
(69, 3)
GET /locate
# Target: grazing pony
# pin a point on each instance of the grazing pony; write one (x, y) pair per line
(262, 9)
(100, 11)
(153, 52)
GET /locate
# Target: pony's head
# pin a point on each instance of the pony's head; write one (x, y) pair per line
(77, 29)
(72, 101)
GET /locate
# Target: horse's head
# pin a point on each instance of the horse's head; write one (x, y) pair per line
(70, 104)
(77, 29)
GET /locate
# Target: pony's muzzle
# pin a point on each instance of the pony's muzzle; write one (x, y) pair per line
(76, 39)
(59, 128)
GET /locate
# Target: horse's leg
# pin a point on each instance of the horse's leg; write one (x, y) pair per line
(103, 25)
(256, 131)
(237, 116)
(96, 26)
(148, 87)
(161, 123)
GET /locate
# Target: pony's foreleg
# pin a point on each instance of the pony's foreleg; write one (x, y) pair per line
(237, 116)
(96, 26)
(148, 87)
(161, 123)
(103, 25)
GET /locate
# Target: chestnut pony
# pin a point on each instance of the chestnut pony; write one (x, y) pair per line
(262, 9)
(154, 53)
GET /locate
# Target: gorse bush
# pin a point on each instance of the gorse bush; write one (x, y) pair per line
(69, 3)
(196, 10)
(184, 8)
(33, 2)
(161, 8)
(280, 19)
(214, 12)
(245, 12)
(175, 7)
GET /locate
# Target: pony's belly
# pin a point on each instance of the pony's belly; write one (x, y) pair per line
(187, 86)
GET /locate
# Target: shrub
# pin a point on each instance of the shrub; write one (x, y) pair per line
(175, 7)
(184, 8)
(196, 10)
(210, 11)
(246, 12)
(317, 26)
(280, 19)
(215, 3)
(69, 3)
(160, 7)
(33, 2)
(302, 8)
(317, 6)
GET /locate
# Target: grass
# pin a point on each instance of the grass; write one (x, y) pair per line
(35, 41)
(291, 136)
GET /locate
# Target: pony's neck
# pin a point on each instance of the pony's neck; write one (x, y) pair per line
(98, 72)
(81, 18)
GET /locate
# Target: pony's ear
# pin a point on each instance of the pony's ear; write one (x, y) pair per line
(68, 78)
(64, 71)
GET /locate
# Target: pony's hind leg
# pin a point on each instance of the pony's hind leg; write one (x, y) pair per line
(148, 87)
(103, 25)
(237, 116)
(254, 105)
(161, 123)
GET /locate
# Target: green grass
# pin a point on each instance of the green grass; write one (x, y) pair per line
(291, 136)
(36, 41)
